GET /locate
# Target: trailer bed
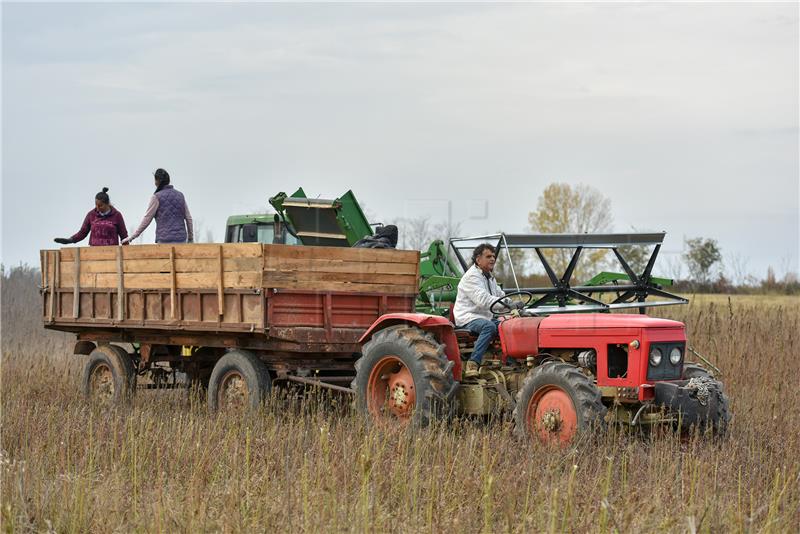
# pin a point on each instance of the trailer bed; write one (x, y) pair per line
(278, 297)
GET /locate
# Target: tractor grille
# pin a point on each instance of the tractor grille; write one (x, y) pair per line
(665, 370)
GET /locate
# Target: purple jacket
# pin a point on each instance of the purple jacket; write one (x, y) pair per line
(106, 229)
(173, 220)
(171, 216)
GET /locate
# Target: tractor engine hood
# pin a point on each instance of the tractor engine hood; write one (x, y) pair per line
(605, 320)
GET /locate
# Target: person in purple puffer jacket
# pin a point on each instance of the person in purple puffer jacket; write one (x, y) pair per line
(168, 207)
(104, 222)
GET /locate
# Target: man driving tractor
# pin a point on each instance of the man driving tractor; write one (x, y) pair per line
(477, 291)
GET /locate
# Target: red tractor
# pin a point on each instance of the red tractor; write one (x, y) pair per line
(563, 365)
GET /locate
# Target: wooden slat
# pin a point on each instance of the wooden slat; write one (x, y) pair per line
(232, 280)
(120, 286)
(271, 277)
(342, 254)
(56, 282)
(76, 294)
(43, 270)
(403, 284)
(149, 252)
(52, 282)
(89, 253)
(173, 284)
(338, 266)
(221, 286)
(194, 251)
(165, 265)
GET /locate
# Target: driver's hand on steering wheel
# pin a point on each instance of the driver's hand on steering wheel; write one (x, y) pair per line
(514, 305)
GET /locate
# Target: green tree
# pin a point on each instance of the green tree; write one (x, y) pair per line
(701, 255)
(563, 208)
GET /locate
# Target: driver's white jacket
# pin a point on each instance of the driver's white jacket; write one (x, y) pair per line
(476, 293)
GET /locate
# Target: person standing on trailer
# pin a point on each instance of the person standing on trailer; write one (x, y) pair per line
(171, 212)
(104, 224)
(477, 291)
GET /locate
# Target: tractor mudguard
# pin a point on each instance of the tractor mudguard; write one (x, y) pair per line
(678, 398)
(441, 328)
(519, 336)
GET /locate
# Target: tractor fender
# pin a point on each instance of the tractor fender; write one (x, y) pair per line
(442, 329)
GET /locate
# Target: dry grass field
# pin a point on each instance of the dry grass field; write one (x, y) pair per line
(163, 464)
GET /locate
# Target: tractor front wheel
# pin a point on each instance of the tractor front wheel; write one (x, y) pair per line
(720, 417)
(556, 403)
(403, 377)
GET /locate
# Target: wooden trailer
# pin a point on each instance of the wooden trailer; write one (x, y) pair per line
(298, 310)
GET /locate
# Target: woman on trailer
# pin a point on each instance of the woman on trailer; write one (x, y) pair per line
(104, 224)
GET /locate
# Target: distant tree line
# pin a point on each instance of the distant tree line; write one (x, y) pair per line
(563, 208)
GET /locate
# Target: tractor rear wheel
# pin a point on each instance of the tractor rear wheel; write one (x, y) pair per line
(403, 377)
(556, 403)
(721, 417)
(240, 382)
(109, 375)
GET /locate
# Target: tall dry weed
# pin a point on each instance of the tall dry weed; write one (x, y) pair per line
(163, 464)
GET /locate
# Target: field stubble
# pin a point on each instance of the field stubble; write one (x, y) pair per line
(164, 464)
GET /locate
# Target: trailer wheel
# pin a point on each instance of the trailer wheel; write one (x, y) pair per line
(556, 403)
(404, 377)
(109, 375)
(720, 419)
(239, 382)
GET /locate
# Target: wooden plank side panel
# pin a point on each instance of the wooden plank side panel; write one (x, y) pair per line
(164, 265)
(231, 280)
(341, 269)
(322, 282)
(190, 251)
(342, 254)
(272, 263)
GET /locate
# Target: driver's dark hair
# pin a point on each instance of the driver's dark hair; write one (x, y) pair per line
(479, 250)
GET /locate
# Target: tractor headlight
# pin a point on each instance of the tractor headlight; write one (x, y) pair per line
(675, 356)
(655, 356)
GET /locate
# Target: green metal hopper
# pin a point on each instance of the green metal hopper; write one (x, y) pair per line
(320, 222)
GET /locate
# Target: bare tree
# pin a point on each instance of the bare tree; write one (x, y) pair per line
(739, 270)
(419, 232)
(675, 268)
(202, 234)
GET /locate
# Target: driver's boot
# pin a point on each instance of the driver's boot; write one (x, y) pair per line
(471, 370)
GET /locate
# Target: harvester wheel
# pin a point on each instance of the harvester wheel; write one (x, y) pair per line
(720, 419)
(556, 403)
(239, 382)
(109, 375)
(404, 377)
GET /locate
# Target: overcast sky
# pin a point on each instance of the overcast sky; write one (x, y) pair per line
(684, 115)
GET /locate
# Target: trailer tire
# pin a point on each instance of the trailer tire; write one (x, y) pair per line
(109, 375)
(720, 419)
(556, 403)
(239, 382)
(403, 376)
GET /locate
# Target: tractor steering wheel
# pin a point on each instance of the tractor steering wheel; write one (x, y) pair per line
(512, 294)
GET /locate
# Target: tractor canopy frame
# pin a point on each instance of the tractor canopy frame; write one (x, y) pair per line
(561, 295)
